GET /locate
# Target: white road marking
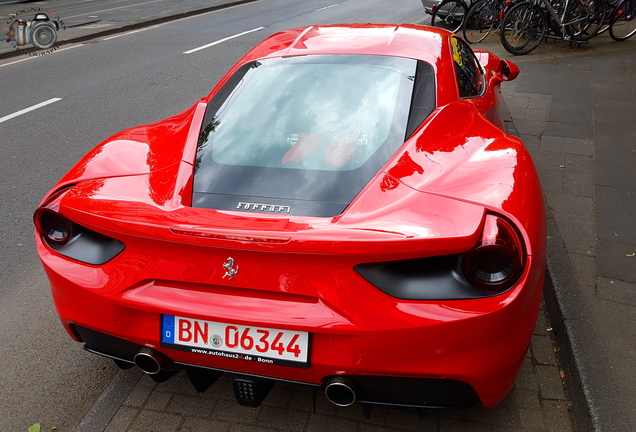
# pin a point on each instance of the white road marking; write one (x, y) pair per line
(222, 40)
(26, 110)
(326, 7)
(42, 56)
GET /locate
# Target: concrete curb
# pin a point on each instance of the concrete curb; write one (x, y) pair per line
(134, 26)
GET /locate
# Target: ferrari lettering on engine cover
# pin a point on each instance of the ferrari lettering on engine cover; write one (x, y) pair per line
(264, 207)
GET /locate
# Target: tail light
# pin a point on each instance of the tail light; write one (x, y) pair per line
(52, 226)
(497, 261)
(70, 239)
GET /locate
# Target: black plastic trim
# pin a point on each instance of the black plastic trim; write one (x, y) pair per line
(434, 393)
(88, 246)
(435, 278)
(430, 393)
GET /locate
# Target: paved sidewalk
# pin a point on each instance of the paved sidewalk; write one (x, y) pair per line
(574, 108)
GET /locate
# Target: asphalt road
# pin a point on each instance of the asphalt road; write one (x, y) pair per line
(93, 90)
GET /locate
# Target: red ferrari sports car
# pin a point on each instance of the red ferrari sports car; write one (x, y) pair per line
(343, 210)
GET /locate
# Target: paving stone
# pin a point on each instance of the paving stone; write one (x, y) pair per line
(607, 127)
(543, 350)
(503, 416)
(551, 180)
(193, 424)
(610, 197)
(536, 114)
(527, 381)
(585, 269)
(615, 167)
(140, 392)
(180, 383)
(549, 381)
(567, 145)
(528, 127)
(122, 419)
(556, 416)
(374, 428)
(531, 419)
(531, 142)
(282, 418)
(158, 401)
(193, 405)
(616, 291)
(549, 160)
(574, 221)
(566, 104)
(250, 428)
(230, 410)
(542, 325)
(614, 114)
(450, 425)
(320, 423)
(574, 96)
(578, 163)
(603, 104)
(569, 130)
(579, 184)
(526, 366)
(614, 225)
(157, 421)
(517, 113)
(540, 86)
(570, 116)
(518, 101)
(615, 260)
(521, 398)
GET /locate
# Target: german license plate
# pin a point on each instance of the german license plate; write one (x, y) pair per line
(258, 344)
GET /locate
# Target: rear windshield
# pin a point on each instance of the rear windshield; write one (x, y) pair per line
(304, 129)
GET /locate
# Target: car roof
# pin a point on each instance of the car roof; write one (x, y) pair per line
(401, 40)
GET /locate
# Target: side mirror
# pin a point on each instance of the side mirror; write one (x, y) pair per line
(506, 71)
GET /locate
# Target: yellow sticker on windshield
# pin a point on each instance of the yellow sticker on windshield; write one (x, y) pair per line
(457, 54)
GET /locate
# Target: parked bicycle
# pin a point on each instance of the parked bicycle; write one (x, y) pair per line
(622, 21)
(525, 24)
(483, 18)
(450, 14)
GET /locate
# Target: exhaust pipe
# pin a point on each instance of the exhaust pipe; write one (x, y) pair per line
(151, 361)
(341, 390)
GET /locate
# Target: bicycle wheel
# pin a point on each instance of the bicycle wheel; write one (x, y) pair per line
(522, 28)
(623, 21)
(482, 18)
(609, 6)
(584, 18)
(449, 15)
